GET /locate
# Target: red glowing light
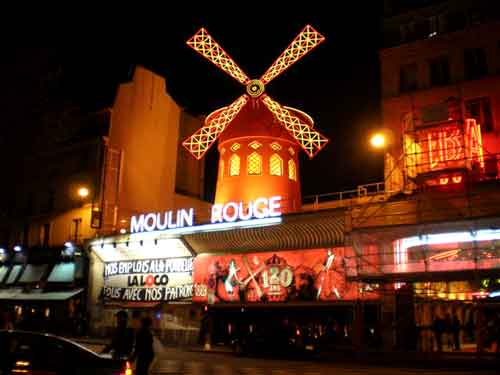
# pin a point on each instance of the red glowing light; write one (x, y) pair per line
(450, 146)
(443, 181)
(457, 179)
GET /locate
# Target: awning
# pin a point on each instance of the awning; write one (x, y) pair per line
(14, 273)
(309, 230)
(19, 295)
(33, 273)
(62, 273)
(3, 273)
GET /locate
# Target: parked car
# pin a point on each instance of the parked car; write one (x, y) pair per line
(38, 353)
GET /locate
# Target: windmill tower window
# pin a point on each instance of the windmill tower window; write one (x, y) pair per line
(292, 171)
(275, 165)
(255, 145)
(254, 164)
(235, 147)
(234, 165)
(291, 151)
(221, 169)
(275, 146)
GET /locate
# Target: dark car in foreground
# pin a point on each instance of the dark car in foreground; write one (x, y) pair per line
(30, 353)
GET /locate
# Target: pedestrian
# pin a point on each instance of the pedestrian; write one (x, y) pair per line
(448, 331)
(122, 342)
(438, 328)
(455, 328)
(143, 352)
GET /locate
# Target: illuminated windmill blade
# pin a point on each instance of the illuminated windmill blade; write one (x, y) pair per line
(306, 41)
(199, 143)
(309, 139)
(206, 46)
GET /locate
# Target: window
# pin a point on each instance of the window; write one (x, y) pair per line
(255, 145)
(75, 231)
(291, 150)
(275, 146)
(234, 165)
(292, 171)
(275, 165)
(45, 235)
(235, 147)
(254, 164)
(439, 71)
(221, 169)
(475, 63)
(480, 110)
(456, 21)
(433, 26)
(408, 78)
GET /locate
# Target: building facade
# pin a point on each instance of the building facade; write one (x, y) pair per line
(85, 184)
(433, 242)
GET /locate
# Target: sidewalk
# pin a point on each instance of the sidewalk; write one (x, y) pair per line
(450, 360)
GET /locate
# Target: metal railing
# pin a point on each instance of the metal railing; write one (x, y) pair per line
(366, 190)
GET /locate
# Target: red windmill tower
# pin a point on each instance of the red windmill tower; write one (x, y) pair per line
(259, 151)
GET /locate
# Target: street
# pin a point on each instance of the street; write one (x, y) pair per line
(173, 361)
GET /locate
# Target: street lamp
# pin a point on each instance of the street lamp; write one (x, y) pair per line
(378, 140)
(83, 192)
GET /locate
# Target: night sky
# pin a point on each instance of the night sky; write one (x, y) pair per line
(338, 84)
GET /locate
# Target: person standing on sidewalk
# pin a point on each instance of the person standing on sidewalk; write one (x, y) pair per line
(122, 342)
(143, 351)
(455, 328)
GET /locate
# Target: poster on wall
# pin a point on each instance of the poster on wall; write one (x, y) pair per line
(148, 280)
(304, 275)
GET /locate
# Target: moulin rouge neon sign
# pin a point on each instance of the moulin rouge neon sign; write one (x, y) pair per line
(450, 146)
(223, 214)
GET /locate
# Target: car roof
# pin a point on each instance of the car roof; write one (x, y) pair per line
(49, 335)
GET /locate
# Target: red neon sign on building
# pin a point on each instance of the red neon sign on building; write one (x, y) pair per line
(452, 146)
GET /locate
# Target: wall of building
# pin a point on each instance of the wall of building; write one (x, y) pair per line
(146, 127)
(397, 104)
(47, 193)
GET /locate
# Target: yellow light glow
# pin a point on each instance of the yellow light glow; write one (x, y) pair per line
(234, 165)
(22, 363)
(83, 192)
(254, 164)
(378, 140)
(275, 165)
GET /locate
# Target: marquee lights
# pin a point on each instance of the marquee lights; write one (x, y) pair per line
(444, 238)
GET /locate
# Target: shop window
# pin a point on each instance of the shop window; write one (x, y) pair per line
(275, 165)
(480, 110)
(234, 165)
(255, 145)
(439, 71)
(475, 63)
(292, 170)
(408, 78)
(254, 164)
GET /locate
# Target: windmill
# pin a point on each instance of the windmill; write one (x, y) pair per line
(259, 138)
